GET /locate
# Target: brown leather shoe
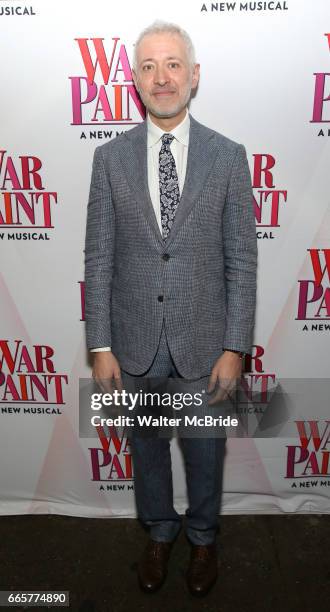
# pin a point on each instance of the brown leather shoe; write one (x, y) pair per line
(203, 569)
(152, 567)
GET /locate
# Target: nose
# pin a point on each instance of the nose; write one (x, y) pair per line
(161, 76)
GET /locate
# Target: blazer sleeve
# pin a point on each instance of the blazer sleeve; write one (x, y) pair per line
(99, 254)
(240, 256)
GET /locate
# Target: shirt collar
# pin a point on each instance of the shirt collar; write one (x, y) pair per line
(180, 132)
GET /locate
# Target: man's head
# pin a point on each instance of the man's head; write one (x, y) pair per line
(164, 70)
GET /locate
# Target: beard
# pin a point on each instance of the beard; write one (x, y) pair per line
(171, 111)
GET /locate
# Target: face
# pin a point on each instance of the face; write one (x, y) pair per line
(164, 76)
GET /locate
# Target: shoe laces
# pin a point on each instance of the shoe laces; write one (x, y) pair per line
(157, 549)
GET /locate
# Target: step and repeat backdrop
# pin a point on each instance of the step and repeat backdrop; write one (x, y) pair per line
(66, 87)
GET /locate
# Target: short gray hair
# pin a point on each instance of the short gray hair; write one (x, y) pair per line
(160, 27)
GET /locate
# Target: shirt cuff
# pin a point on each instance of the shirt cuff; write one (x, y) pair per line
(101, 349)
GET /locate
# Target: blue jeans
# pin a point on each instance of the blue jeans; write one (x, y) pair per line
(203, 459)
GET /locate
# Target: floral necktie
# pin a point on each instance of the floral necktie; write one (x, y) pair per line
(168, 185)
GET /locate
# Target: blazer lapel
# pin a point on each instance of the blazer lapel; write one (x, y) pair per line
(202, 152)
(134, 159)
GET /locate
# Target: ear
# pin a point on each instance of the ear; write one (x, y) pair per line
(195, 76)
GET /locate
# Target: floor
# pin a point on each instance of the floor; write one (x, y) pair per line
(267, 563)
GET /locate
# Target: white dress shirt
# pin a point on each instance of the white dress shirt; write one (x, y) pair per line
(179, 149)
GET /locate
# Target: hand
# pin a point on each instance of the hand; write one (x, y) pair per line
(106, 371)
(225, 372)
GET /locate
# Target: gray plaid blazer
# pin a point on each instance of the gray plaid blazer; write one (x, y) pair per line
(201, 281)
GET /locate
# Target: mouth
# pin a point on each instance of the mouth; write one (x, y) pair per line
(163, 93)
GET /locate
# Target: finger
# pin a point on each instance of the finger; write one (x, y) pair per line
(212, 382)
(218, 397)
(232, 390)
(219, 393)
(107, 385)
(98, 382)
(118, 381)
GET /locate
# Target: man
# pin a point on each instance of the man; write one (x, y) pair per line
(170, 284)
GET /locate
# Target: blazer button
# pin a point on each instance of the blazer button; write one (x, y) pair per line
(165, 257)
(160, 298)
